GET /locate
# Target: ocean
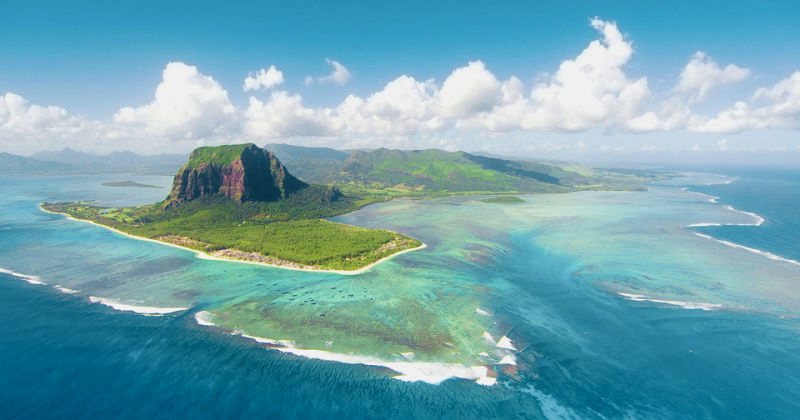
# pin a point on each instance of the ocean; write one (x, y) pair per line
(678, 302)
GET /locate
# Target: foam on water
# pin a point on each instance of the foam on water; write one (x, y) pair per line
(747, 248)
(505, 343)
(409, 371)
(66, 290)
(508, 360)
(144, 310)
(27, 277)
(204, 318)
(685, 305)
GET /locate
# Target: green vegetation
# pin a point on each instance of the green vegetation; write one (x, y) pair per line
(423, 173)
(280, 233)
(217, 155)
(505, 199)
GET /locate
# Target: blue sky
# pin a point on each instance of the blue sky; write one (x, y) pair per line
(93, 59)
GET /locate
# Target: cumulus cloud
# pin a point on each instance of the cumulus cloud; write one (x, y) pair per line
(284, 115)
(187, 104)
(469, 90)
(403, 107)
(263, 79)
(339, 74)
(588, 91)
(777, 106)
(702, 74)
(26, 127)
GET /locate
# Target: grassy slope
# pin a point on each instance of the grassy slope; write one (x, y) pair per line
(430, 172)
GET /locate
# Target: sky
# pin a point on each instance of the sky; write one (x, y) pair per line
(559, 79)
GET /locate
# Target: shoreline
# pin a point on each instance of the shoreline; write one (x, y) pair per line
(205, 256)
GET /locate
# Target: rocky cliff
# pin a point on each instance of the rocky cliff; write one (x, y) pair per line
(243, 172)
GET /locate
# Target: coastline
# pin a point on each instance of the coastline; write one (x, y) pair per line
(205, 256)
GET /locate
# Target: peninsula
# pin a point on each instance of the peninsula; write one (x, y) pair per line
(238, 202)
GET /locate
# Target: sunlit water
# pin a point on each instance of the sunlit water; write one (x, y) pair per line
(587, 305)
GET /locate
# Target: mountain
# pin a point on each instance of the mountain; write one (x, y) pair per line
(241, 172)
(115, 161)
(19, 165)
(289, 152)
(312, 164)
(434, 171)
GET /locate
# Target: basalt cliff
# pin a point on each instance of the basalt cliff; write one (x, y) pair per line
(242, 172)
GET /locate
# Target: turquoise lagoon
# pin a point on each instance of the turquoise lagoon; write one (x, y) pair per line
(678, 302)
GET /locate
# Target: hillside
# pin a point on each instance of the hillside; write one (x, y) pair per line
(318, 165)
(20, 165)
(435, 172)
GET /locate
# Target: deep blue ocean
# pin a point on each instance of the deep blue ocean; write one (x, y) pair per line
(584, 352)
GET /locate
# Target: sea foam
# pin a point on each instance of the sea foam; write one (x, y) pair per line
(144, 310)
(747, 248)
(408, 371)
(204, 318)
(27, 277)
(757, 221)
(66, 290)
(685, 305)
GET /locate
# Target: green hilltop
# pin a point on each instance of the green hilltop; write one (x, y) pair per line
(216, 155)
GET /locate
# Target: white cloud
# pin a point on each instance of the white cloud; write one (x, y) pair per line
(18, 116)
(339, 74)
(469, 90)
(403, 107)
(591, 89)
(702, 74)
(777, 106)
(26, 127)
(722, 145)
(187, 104)
(263, 79)
(284, 115)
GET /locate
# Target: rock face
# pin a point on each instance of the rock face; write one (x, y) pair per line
(239, 172)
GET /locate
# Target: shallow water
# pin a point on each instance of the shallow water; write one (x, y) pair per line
(616, 308)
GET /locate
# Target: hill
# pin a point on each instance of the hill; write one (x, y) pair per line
(20, 165)
(115, 162)
(437, 172)
(318, 165)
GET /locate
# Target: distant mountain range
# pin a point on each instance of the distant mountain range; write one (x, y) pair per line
(399, 172)
(413, 172)
(69, 161)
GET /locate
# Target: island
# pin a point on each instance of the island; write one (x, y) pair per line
(503, 199)
(238, 202)
(130, 184)
(241, 203)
